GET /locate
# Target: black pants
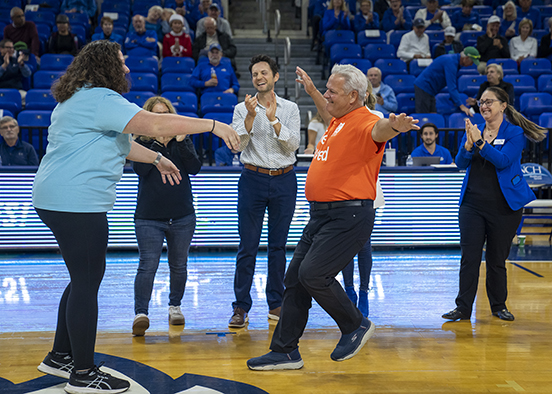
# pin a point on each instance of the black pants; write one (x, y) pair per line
(330, 240)
(82, 239)
(497, 227)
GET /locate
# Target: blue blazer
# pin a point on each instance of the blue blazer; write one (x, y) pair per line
(506, 157)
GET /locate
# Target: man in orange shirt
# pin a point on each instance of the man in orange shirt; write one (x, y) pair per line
(341, 187)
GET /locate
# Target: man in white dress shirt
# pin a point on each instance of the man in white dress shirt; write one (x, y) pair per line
(414, 44)
(269, 128)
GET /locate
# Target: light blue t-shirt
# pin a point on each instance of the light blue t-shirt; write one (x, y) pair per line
(86, 152)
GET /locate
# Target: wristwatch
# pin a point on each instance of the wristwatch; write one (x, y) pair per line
(479, 143)
(157, 159)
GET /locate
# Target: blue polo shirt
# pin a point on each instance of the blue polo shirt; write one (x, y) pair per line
(440, 151)
(440, 73)
(21, 154)
(86, 152)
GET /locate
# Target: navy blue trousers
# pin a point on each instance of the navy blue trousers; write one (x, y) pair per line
(258, 193)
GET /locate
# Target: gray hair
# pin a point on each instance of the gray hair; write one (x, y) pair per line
(8, 119)
(510, 2)
(498, 69)
(354, 79)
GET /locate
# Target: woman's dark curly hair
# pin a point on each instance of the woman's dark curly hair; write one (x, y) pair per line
(96, 66)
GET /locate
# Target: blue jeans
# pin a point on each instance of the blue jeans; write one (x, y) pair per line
(257, 193)
(150, 235)
(364, 268)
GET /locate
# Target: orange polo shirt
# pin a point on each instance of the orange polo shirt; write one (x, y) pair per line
(347, 160)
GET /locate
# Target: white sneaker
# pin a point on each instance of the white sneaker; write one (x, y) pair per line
(176, 318)
(140, 325)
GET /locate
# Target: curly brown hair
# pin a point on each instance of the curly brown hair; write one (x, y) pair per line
(96, 66)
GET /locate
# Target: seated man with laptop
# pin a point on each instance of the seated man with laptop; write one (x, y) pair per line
(429, 152)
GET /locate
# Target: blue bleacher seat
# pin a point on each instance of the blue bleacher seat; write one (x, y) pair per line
(52, 61)
(522, 83)
(545, 120)
(363, 39)
(79, 31)
(413, 9)
(469, 37)
(48, 5)
(534, 104)
(342, 51)
(535, 67)
(400, 83)
(470, 70)
(415, 69)
(395, 37)
(76, 18)
(483, 10)
(469, 84)
(391, 66)
(43, 79)
(374, 52)
(28, 121)
(176, 82)
(45, 17)
(138, 97)
(435, 36)
(445, 105)
(116, 6)
(6, 112)
(406, 103)
(183, 102)
(544, 83)
(362, 64)
(145, 82)
(44, 31)
(457, 120)
(540, 33)
(10, 99)
(509, 66)
(5, 16)
(218, 102)
(9, 4)
(40, 99)
(338, 36)
(139, 64)
(437, 119)
(184, 65)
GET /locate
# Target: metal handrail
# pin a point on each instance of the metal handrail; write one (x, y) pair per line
(287, 58)
(277, 23)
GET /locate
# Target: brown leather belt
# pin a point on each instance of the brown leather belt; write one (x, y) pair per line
(268, 171)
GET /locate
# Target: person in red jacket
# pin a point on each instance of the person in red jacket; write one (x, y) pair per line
(177, 42)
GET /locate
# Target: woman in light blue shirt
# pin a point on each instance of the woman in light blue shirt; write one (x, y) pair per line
(88, 143)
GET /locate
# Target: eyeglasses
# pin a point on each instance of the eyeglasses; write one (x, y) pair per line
(8, 127)
(486, 103)
(8, 47)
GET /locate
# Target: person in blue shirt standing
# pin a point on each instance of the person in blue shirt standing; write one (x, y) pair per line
(440, 73)
(429, 133)
(215, 76)
(492, 198)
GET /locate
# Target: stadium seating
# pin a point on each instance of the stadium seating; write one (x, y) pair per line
(40, 99)
(391, 66)
(10, 99)
(400, 83)
(183, 102)
(362, 64)
(138, 97)
(51, 61)
(374, 52)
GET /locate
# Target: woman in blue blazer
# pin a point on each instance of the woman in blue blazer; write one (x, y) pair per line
(492, 198)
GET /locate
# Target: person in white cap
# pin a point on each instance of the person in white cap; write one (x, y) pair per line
(449, 45)
(491, 45)
(177, 43)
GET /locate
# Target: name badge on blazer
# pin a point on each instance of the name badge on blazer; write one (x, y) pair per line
(499, 142)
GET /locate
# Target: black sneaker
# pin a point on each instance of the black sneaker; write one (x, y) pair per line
(95, 381)
(60, 366)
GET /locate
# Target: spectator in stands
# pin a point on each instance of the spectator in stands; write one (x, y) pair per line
(212, 35)
(365, 19)
(21, 30)
(414, 44)
(509, 25)
(386, 101)
(13, 68)
(336, 17)
(532, 13)
(83, 6)
(318, 10)
(315, 131)
(429, 133)
(396, 17)
(222, 24)
(449, 45)
(545, 47)
(442, 72)
(466, 18)
(13, 151)
(214, 76)
(63, 41)
(141, 42)
(177, 43)
(106, 23)
(380, 6)
(491, 45)
(523, 46)
(199, 12)
(435, 19)
(494, 78)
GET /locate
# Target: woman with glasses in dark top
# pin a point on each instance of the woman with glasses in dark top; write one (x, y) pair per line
(492, 198)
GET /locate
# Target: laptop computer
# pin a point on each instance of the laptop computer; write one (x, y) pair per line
(425, 161)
